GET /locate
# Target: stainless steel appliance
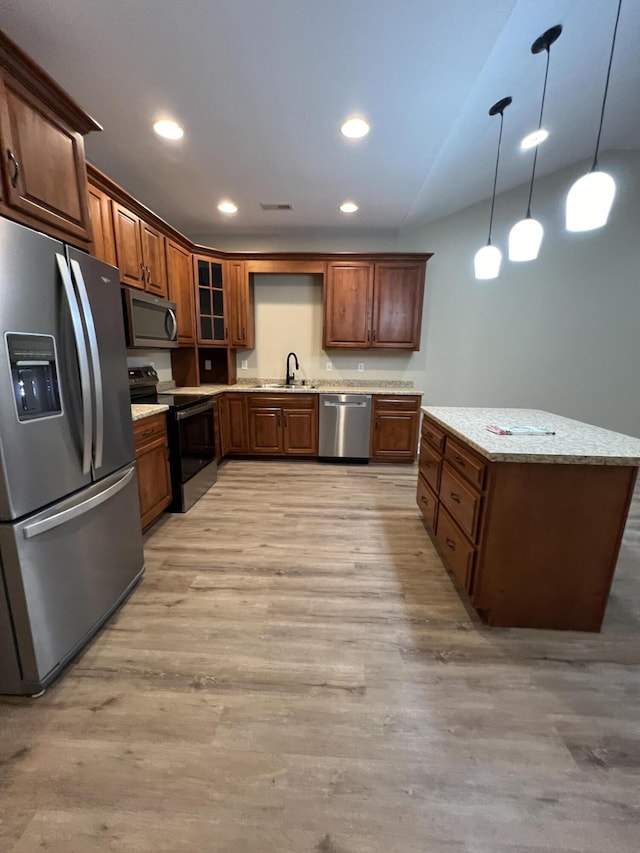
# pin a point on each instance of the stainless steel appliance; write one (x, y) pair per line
(150, 322)
(70, 541)
(190, 428)
(345, 426)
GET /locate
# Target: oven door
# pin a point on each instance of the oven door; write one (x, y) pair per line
(195, 439)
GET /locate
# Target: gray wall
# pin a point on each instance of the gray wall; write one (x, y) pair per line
(561, 333)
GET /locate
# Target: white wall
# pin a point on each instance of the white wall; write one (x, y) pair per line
(561, 333)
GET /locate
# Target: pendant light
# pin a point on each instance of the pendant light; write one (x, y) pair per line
(488, 259)
(526, 236)
(590, 198)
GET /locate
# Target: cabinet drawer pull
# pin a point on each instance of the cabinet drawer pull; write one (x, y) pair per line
(450, 544)
(459, 460)
(455, 497)
(147, 432)
(16, 168)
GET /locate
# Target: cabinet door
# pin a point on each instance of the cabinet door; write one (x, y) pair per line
(301, 432)
(102, 226)
(233, 424)
(348, 297)
(153, 257)
(241, 325)
(265, 430)
(397, 306)
(43, 163)
(394, 435)
(180, 283)
(126, 228)
(210, 301)
(154, 482)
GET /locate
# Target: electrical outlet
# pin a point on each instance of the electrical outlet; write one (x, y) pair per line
(329, 366)
(244, 364)
(207, 364)
(361, 367)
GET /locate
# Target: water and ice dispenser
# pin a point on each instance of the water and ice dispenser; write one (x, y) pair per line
(35, 377)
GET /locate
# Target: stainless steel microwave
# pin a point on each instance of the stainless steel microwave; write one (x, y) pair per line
(150, 322)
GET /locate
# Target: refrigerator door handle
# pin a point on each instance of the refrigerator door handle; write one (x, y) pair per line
(60, 518)
(95, 361)
(83, 361)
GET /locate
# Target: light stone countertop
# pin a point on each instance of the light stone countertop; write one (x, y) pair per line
(212, 390)
(573, 443)
(145, 410)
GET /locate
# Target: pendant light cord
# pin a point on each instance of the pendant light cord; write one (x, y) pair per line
(606, 88)
(535, 154)
(495, 178)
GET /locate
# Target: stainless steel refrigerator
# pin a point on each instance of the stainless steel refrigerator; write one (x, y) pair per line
(70, 540)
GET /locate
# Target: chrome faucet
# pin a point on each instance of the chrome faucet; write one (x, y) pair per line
(291, 376)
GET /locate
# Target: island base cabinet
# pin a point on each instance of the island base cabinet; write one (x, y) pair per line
(550, 544)
(533, 545)
(152, 462)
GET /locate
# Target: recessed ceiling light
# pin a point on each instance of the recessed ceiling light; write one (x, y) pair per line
(535, 138)
(227, 207)
(168, 129)
(348, 207)
(355, 128)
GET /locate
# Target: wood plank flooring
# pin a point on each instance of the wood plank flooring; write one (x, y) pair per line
(297, 674)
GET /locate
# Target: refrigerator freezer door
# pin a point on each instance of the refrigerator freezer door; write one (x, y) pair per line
(40, 458)
(66, 569)
(98, 288)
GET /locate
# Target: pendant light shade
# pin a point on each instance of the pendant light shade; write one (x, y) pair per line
(590, 199)
(487, 262)
(488, 259)
(525, 238)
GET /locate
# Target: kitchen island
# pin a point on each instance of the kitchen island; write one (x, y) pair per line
(529, 525)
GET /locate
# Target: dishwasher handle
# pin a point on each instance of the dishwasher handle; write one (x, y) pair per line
(340, 405)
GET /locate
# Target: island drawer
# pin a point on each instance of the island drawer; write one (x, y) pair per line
(470, 466)
(457, 552)
(463, 503)
(432, 434)
(430, 466)
(427, 503)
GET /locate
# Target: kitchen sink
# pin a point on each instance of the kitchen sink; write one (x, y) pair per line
(283, 387)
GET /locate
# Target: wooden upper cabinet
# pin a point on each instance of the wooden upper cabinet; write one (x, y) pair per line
(180, 283)
(241, 321)
(42, 163)
(153, 258)
(140, 252)
(348, 298)
(371, 304)
(397, 305)
(211, 301)
(102, 225)
(126, 226)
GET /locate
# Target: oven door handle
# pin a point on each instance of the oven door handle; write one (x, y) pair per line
(194, 410)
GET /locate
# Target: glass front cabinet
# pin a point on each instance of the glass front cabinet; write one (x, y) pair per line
(210, 301)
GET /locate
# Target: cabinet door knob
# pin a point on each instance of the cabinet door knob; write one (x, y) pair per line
(455, 497)
(451, 544)
(16, 168)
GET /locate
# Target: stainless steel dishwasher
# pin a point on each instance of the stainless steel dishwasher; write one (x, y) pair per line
(345, 426)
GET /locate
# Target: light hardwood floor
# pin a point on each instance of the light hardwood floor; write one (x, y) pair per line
(297, 674)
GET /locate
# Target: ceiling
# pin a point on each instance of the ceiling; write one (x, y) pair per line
(262, 86)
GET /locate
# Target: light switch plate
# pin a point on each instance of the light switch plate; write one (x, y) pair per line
(329, 366)
(244, 364)
(361, 367)
(207, 364)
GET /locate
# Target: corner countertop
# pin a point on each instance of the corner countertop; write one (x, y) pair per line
(145, 410)
(213, 390)
(574, 442)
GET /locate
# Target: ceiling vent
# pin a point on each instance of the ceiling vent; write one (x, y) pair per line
(276, 206)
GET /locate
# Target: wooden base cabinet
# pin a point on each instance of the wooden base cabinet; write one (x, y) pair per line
(152, 462)
(533, 545)
(283, 426)
(234, 430)
(394, 428)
